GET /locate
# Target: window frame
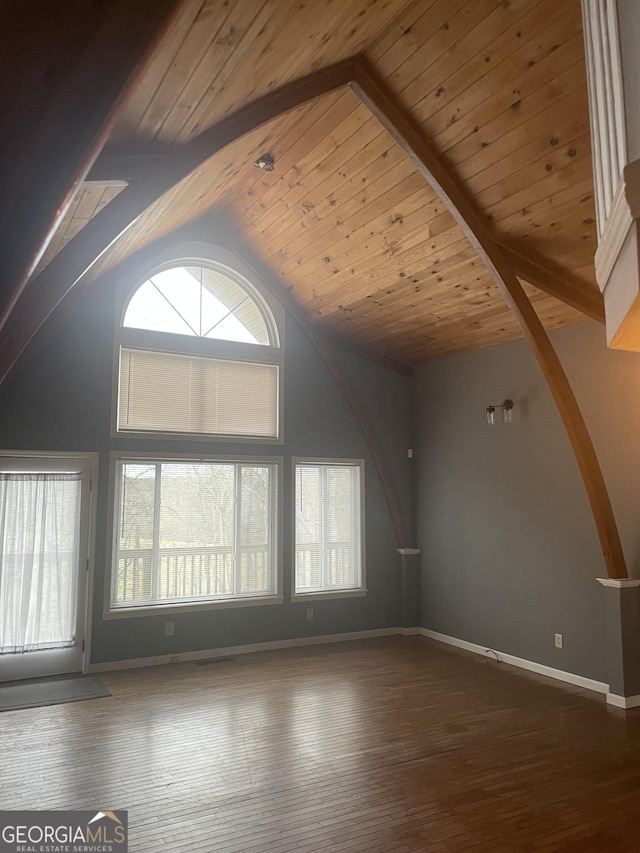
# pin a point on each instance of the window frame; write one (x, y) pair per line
(326, 594)
(196, 254)
(174, 607)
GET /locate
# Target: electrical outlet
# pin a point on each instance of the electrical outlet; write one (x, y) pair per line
(558, 641)
(309, 613)
(168, 629)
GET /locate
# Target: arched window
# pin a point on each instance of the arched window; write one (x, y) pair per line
(198, 350)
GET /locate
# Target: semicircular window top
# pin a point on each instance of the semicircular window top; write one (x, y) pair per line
(198, 353)
(202, 302)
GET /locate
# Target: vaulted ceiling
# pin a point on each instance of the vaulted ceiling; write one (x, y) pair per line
(346, 222)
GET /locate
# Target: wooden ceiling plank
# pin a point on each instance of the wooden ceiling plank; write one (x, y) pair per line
(246, 29)
(324, 117)
(374, 170)
(562, 121)
(395, 291)
(560, 165)
(373, 200)
(579, 195)
(487, 59)
(580, 208)
(415, 252)
(206, 28)
(160, 63)
(332, 37)
(325, 271)
(448, 32)
(374, 266)
(278, 144)
(449, 126)
(440, 179)
(550, 186)
(286, 188)
(405, 32)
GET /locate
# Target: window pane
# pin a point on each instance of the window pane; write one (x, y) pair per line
(196, 531)
(328, 528)
(202, 531)
(198, 301)
(135, 533)
(255, 529)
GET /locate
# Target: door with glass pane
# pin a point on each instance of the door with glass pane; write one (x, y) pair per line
(44, 527)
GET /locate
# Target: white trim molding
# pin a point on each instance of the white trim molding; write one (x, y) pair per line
(624, 702)
(614, 232)
(522, 663)
(619, 583)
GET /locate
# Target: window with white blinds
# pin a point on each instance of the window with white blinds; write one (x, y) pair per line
(329, 556)
(169, 392)
(198, 354)
(194, 532)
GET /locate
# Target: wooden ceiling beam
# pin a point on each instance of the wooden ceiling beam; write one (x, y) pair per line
(556, 283)
(60, 98)
(422, 154)
(28, 313)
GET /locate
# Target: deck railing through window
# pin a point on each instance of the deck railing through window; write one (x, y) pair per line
(187, 573)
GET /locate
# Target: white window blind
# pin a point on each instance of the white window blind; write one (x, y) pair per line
(328, 527)
(193, 532)
(168, 392)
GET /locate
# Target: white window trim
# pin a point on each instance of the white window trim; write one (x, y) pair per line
(110, 612)
(359, 592)
(199, 253)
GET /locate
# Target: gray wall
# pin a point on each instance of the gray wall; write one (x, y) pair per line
(60, 397)
(510, 551)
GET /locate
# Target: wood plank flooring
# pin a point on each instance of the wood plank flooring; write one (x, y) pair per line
(393, 745)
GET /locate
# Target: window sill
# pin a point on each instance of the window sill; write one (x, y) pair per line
(328, 594)
(187, 607)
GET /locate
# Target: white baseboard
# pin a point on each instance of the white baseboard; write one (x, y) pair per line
(228, 651)
(512, 660)
(532, 666)
(623, 701)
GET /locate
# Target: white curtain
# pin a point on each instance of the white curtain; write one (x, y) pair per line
(39, 536)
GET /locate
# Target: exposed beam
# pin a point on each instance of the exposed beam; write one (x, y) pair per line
(78, 256)
(556, 283)
(413, 142)
(67, 68)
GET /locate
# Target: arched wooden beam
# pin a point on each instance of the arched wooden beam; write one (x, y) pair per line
(67, 68)
(421, 153)
(46, 291)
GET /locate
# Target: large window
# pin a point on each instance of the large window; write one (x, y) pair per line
(198, 354)
(194, 532)
(328, 528)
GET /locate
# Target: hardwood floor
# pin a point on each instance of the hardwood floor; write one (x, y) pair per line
(382, 746)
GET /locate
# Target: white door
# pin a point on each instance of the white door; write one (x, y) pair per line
(44, 561)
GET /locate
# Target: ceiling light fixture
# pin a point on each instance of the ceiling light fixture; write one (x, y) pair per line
(507, 412)
(266, 163)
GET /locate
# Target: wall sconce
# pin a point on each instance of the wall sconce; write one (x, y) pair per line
(507, 412)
